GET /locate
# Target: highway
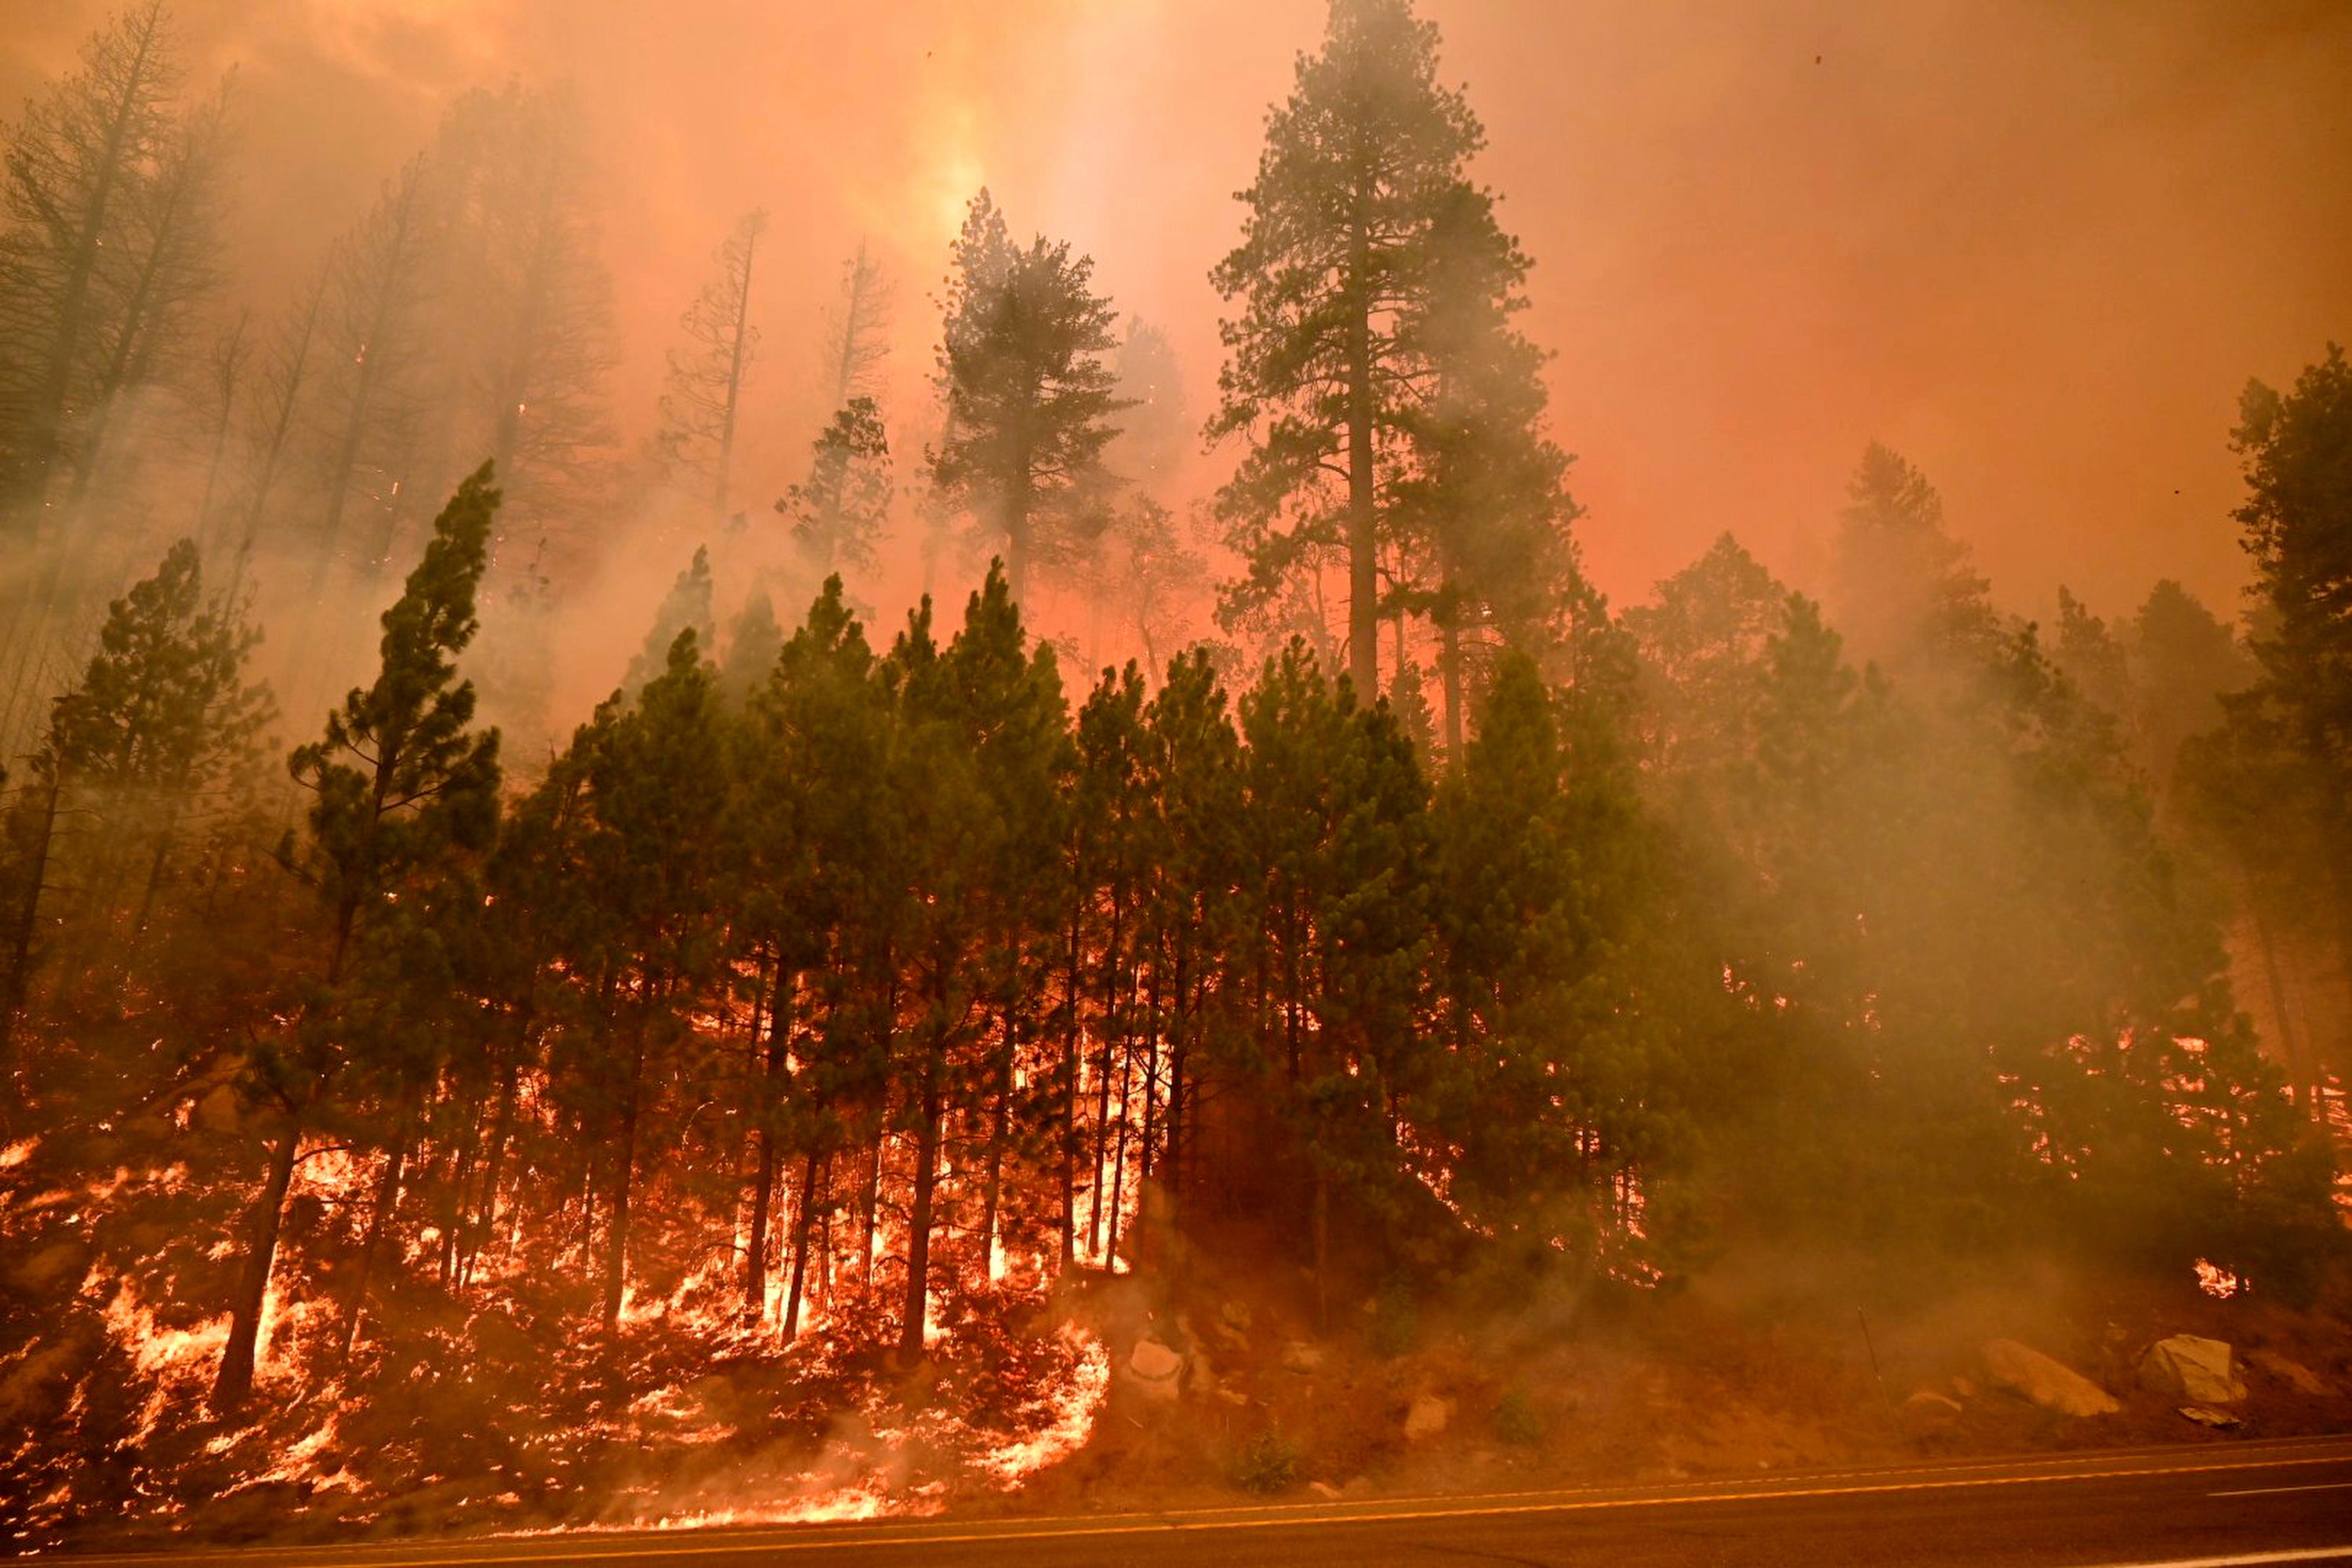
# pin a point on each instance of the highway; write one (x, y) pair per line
(2208, 1506)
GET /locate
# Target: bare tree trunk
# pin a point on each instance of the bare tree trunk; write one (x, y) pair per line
(734, 380)
(380, 1217)
(764, 1156)
(1364, 580)
(810, 1174)
(232, 1384)
(616, 1225)
(919, 1218)
(1449, 660)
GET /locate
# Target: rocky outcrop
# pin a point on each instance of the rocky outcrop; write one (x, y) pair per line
(2192, 1369)
(2052, 1385)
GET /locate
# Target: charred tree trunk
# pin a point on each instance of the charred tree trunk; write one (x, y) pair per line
(1117, 1166)
(1363, 580)
(1449, 662)
(381, 1210)
(764, 1150)
(1000, 1116)
(919, 1217)
(232, 1384)
(485, 1207)
(802, 1215)
(617, 1224)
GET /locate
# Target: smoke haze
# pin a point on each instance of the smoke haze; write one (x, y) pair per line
(2036, 248)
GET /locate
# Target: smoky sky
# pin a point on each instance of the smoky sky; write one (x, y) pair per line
(2037, 248)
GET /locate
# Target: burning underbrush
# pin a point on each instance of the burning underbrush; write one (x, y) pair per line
(491, 1411)
(1226, 1368)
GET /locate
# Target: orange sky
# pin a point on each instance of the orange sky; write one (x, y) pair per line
(2038, 247)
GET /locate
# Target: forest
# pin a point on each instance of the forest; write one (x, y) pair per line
(413, 1076)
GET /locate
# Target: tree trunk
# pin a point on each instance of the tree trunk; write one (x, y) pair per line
(801, 1218)
(616, 1225)
(993, 1187)
(1449, 660)
(919, 1217)
(1364, 580)
(1118, 1169)
(233, 1382)
(734, 381)
(380, 1216)
(45, 420)
(763, 1178)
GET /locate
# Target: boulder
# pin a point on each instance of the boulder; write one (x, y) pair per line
(2293, 1373)
(1426, 1417)
(2188, 1368)
(2052, 1385)
(1155, 1369)
(1927, 1408)
(1300, 1356)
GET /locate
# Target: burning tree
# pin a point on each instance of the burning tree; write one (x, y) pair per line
(405, 788)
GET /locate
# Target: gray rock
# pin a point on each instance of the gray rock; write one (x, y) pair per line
(2206, 1416)
(2195, 1370)
(2052, 1385)
(1155, 1369)
(1298, 1356)
(1426, 1417)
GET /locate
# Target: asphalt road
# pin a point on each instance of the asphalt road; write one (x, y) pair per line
(2211, 1506)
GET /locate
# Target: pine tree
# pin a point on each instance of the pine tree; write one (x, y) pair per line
(1362, 220)
(2183, 661)
(1484, 548)
(402, 782)
(521, 313)
(73, 166)
(686, 607)
(1904, 594)
(839, 511)
(815, 755)
(376, 332)
(857, 333)
(167, 266)
(161, 713)
(2297, 516)
(655, 785)
(1030, 396)
(702, 405)
(1702, 641)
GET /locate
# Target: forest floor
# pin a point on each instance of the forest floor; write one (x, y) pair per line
(1771, 1370)
(1196, 1388)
